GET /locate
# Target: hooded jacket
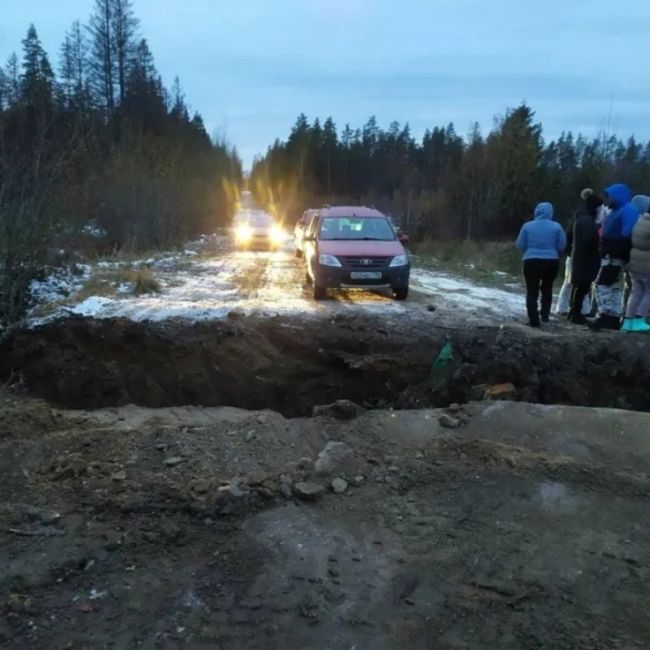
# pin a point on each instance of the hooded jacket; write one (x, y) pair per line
(640, 256)
(616, 236)
(585, 258)
(542, 238)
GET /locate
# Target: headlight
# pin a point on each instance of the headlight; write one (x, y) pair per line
(328, 260)
(243, 234)
(399, 260)
(278, 235)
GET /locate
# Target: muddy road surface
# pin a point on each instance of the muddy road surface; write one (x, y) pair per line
(177, 489)
(526, 527)
(218, 280)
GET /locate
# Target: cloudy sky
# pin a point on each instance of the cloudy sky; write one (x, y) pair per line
(250, 66)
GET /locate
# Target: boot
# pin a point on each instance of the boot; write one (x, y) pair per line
(577, 319)
(606, 322)
(640, 325)
(629, 325)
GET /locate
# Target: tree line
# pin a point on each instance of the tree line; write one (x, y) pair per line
(444, 186)
(97, 144)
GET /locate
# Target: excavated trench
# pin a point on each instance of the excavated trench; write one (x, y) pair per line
(291, 364)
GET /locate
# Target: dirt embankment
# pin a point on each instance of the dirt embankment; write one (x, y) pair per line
(130, 528)
(291, 364)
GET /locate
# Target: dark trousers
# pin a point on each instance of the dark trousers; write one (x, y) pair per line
(578, 294)
(540, 276)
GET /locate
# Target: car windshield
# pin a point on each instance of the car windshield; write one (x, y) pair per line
(260, 220)
(356, 229)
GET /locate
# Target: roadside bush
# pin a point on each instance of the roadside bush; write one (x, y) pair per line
(480, 257)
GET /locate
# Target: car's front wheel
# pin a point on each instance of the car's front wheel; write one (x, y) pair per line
(401, 293)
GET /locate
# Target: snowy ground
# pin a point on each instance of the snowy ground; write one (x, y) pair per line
(210, 280)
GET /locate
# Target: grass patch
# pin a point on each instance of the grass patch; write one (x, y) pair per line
(144, 281)
(493, 262)
(107, 282)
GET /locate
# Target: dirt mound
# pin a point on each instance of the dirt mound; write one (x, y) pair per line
(291, 364)
(214, 528)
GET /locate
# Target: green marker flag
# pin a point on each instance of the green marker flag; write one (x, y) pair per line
(444, 358)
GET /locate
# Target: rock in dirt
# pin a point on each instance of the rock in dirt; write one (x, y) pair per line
(342, 409)
(173, 461)
(230, 492)
(33, 513)
(334, 458)
(40, 531)
(339, 485)
(497, 392)
(305, 464)
(308, 491)
(448, 422)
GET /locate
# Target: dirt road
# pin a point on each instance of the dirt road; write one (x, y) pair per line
(219, 528)
(219, 281)
(492, 525)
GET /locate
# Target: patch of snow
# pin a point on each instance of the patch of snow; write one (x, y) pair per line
(92, 229)
(463, 294)
(59, 284)
(91, 307)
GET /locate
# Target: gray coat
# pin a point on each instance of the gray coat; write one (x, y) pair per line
(640, 257)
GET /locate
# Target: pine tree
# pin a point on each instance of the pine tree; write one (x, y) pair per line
(12, 77)
(73, 84)
(102, 55)
(37, 78)
(124, 27)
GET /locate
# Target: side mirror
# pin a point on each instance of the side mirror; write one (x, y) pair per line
(403, 237)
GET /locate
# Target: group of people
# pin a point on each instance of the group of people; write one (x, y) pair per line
(607, 245)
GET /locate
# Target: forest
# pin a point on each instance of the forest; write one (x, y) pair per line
(445, 186)
(95, 152)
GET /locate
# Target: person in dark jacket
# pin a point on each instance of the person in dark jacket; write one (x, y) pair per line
(542, 241)
(615, 246)
(585, 258)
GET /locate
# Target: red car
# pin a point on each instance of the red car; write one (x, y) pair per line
(348, 246)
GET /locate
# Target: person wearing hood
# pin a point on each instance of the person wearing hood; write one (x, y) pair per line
(639, 267)
(585, 259)
(615, 246)
(542, 242)
(563, 306)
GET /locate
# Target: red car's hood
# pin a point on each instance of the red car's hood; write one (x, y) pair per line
(361, 248)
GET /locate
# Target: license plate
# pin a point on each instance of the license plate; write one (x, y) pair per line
(365, 275)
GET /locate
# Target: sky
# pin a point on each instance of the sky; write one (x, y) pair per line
(251, 66)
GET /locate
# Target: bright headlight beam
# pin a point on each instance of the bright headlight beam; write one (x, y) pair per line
(277, 235)
(243, 234)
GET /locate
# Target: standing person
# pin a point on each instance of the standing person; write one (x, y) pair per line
(563, 307)
(542, 241)
(639, 268)
(615, 246)
(585, 260)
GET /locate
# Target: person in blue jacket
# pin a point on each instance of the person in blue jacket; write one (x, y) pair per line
(542, 241)
(615, 247)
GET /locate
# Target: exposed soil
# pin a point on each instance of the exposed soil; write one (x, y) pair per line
(189, 528)
(291, 364)
(185, 526)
